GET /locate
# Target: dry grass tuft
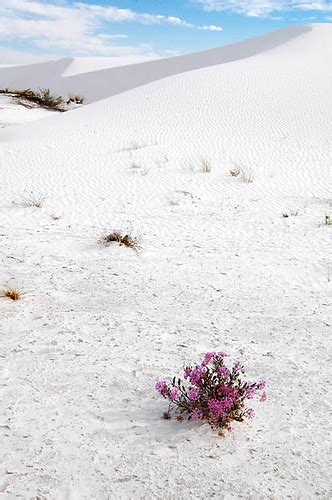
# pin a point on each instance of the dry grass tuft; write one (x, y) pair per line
(205, 166)
(247, 175)
(11, 293)
(31, 200)
(127, 240)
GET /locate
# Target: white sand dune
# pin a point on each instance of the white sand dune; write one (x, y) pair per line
(221, 269)
(65, 75)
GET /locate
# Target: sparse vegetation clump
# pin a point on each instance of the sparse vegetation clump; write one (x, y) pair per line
(10, 292)
(245, 174)
(127, 240)
(42, 97)
(75, 99)
(235, 172)
(292, 213)
(31, 200)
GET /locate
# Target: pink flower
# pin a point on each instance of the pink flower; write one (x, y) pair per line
(219, 407)
(264, 396)
(250, 413)
(207, 357)
(261, 384)
(250, 392)
(161, 387)
(222, 354)
(197, 414)
(223, 371)
(193, 393)
(196, 374)
(173, 394)
(216, 408)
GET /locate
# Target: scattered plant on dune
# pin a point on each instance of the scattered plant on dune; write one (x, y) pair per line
(247, 175)
(291, 213)
(75, 99)
(42, 97)
(55, 216)
(11, 293)
(31, 200)
(135, 166)
(127, 240)
(213, 392)
(205, 166)
(235, 172)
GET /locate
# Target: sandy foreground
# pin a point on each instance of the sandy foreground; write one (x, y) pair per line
(221, 269)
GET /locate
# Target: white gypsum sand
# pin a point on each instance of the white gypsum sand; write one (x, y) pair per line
(221, 269)
(14, 113)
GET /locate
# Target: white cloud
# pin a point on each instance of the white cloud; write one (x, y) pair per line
(77, 28)
(258, 8)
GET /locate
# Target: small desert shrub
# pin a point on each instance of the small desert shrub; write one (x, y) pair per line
(245, 174)
(31, 200)
(76, 99)
(127, 240)
(11, 293)
(291, 213)
(42, 97)
(214, 393)
(235, 172)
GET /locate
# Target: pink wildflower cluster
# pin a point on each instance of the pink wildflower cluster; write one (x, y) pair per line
(212, 392)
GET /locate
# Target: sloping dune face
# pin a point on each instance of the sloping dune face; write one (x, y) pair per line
(238, 263)
(66, 76)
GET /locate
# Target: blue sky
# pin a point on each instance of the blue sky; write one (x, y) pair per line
(32, 30)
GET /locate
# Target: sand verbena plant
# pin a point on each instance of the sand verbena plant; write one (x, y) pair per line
(126, 239)
(212, 392)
